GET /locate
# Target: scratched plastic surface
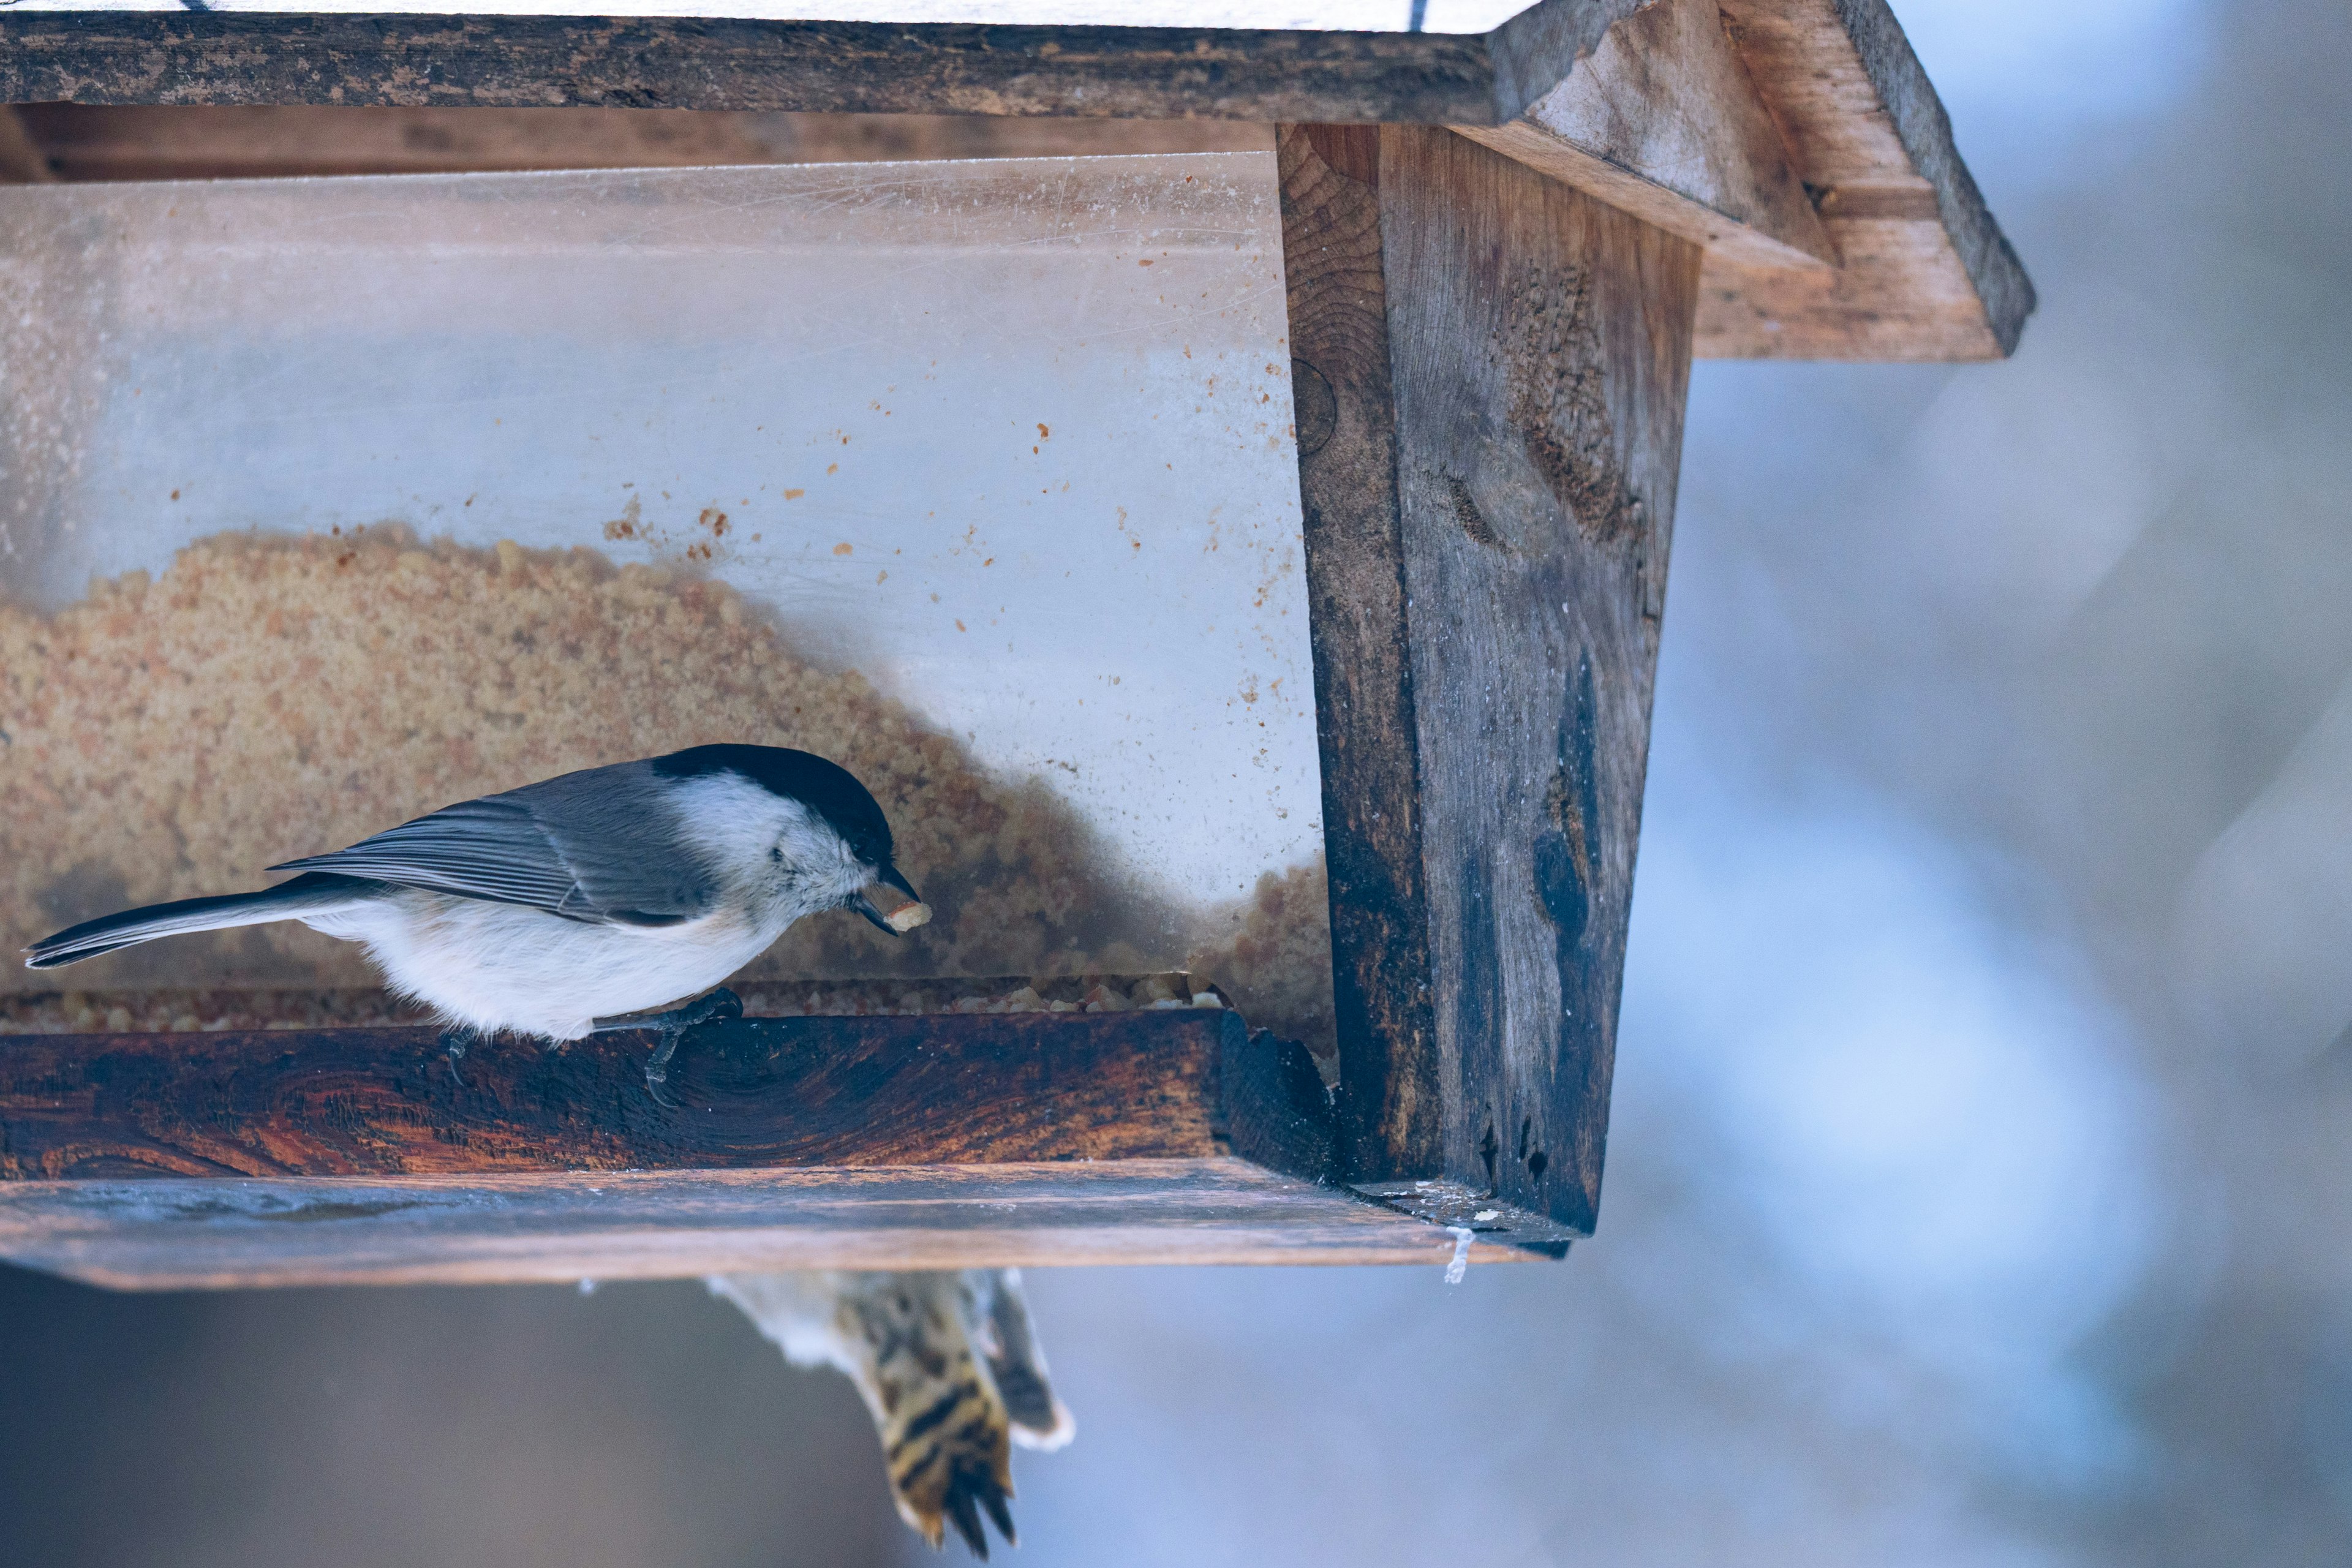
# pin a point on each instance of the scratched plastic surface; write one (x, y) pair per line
(1010, 441)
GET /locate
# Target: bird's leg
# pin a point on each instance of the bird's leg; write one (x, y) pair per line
(672, 1027)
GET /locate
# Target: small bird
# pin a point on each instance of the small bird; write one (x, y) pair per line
(949, 1368)
(577, 904)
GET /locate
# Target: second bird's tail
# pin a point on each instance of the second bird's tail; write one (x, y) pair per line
(306, 894)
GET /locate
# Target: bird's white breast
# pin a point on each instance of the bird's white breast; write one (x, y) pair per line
(504, 966)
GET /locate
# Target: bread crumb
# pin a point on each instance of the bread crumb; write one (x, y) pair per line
(188, 1012)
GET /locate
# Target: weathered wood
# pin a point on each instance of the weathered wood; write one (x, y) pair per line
(179, 1234)
(411, 56)
(1487, 521)
(1277, 1112)
(1345, 417)
(146, 142)
(946, 1141)
(1663, 122)
(761, 1092)
(1465, 1206)
(1927, 273)
(1923, 272)
(1541, 345)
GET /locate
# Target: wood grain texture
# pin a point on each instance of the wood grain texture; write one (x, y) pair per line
(1276, 1111)
(1927, 274)
(846, 1091)
(496, 1229)
(1369, 745)
(259, 57)
(1663, 122)
(1540, 342)
(951, 1141)
(146, 142)
(1487, 563)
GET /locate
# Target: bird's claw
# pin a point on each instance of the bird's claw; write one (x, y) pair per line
(657, 1073)
(454, 1044)
(958, 1508)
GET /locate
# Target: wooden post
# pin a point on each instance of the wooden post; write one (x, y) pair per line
(1491, 373)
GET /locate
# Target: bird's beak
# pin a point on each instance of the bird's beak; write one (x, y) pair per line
(890, 903)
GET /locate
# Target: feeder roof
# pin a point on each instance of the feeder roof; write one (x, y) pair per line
(1799, 141)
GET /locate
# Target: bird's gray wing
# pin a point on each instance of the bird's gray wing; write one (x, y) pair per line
(599, 846)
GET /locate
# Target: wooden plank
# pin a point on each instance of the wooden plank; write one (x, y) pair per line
(1663, 122)
(144, 142)
(759, 1092)
(181, 1233)
(1542, 346)
(359, 1156)
(1927, 274)
(397, 56)
(1344, 410)
(1486, 559)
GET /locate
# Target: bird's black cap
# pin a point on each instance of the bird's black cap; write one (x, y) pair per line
(826, 788)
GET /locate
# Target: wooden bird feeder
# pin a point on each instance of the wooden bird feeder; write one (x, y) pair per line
(1488, 257)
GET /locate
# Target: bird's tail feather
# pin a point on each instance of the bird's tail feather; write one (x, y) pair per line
(304, 895)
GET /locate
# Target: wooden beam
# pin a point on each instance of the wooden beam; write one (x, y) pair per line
(757, 1092)
(1923, 273)
(1663, 122)
(1490, 389)
(363, 1154)
(1927, 272)
(419, 55)
(552, 1226)
(146, 142)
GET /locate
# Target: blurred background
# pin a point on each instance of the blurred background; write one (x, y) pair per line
(1978, 1186)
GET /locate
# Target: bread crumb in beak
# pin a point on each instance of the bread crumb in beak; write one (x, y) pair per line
(895, 908)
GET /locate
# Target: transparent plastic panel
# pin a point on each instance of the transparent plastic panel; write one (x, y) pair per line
(328, 502)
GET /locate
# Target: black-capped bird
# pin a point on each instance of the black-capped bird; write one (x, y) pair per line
(949, 1370)
(583, 902)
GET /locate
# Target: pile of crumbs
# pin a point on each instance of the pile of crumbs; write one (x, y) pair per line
(1045, 994)
(184, 1012)
(180, 1011)
(269, 697)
